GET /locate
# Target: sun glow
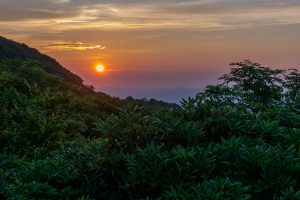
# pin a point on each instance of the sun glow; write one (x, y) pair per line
(100, 68)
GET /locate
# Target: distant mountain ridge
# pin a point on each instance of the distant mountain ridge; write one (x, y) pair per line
(10, 49)
(171, 95)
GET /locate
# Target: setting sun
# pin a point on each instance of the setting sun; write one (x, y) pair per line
(100, 68)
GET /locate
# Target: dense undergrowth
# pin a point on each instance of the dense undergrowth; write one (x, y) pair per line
(236, 140)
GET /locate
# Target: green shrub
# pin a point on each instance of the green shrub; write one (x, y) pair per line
(216, 189)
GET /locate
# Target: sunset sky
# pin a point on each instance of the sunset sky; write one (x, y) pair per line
(156, 45)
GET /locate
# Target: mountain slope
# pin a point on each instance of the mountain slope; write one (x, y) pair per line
(13, 50)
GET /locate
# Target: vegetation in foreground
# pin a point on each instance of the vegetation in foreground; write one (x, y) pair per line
(236, 140)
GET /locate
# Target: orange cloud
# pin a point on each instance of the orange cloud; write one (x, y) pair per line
(79, 46)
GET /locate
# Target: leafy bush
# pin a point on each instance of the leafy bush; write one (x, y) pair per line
(236, 140)
(216, 189)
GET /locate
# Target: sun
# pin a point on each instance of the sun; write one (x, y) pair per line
(100, 68)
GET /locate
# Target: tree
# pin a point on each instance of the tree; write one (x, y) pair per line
(292, 84)
(258, 85)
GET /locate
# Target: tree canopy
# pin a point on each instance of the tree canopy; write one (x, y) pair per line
(236, 140)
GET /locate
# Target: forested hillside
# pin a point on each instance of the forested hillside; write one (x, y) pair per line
(13, 50)
(236, 140)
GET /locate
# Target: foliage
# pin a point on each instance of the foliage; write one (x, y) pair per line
(14, 50)
(256, 84)
(216, 189)
(236, 140)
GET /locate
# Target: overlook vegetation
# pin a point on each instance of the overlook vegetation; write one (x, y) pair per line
(13, 50)
(61, 140)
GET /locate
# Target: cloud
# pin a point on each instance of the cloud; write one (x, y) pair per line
(79, 46)
(146, 14)
(228, 6)
(59, 1)
(60, 17)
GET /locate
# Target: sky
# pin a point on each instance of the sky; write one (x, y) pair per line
(156, 47)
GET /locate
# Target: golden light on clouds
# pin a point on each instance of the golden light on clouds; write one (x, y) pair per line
(79, 46)
(169, 35)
